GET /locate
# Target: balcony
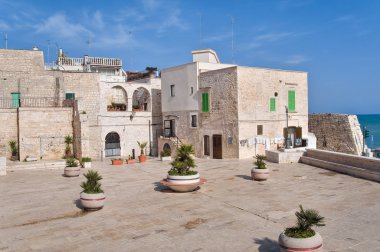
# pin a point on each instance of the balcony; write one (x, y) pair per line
(92, 61)
(35, 102)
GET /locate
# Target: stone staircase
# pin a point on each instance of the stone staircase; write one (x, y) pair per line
(353, 165)
(42, 165)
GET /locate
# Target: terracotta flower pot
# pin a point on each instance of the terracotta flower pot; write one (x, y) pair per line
(142, 158)
(130, 161)
(289, 244)
(260, 174)
(117, 162)
(68, 153)
(92, 201)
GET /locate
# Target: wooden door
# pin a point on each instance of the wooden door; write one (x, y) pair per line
(217, 146)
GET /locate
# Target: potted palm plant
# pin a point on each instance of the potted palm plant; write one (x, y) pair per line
(142, 157)
(260, 171)
(181, 177)
(302, 237)
(166, 154)
(14, 149)
(86, 162)
(92, 197)
(71, 169)
(68, 142)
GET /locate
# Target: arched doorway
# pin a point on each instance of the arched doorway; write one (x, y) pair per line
(112, 145)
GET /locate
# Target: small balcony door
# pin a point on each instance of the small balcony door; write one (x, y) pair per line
(169, 128)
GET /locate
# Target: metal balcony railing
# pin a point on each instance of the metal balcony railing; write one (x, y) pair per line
(34, 102)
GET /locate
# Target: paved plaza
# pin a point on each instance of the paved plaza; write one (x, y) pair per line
(39, 209)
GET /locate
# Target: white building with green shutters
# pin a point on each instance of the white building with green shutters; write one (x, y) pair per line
(230, 111)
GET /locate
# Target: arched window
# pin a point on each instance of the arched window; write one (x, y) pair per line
(117, 99)
(141, 100)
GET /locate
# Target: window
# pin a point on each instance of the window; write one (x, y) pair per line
(15, 100)
(191, 90)
(169, 128)
(292, 100)
(272, 106)
(205, 102)
(172, 90)
(193, 121)
(70, 96)
(206, 145)
(259, 130)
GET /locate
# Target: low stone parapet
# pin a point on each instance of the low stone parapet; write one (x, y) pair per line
(357, 166)
(284, 157)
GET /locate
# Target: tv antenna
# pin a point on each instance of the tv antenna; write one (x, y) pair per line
(88, 45)
(5, 39)
(48, 52)
(232, 38)
(200, 28)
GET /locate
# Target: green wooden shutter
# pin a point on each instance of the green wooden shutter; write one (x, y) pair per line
(272, 106)
(205, 102)
(15, 100)
(292, 100)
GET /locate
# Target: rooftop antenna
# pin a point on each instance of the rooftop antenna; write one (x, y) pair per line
(88, 45)
(232, 39)
(5, 39)
(200, 28)
(48, 42)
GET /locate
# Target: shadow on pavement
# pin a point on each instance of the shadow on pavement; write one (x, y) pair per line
(267, 245)
(244, 177)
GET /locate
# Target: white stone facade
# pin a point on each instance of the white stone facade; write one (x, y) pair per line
(240, 121)
(40, 113)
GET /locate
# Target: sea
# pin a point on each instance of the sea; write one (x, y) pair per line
(372, 124)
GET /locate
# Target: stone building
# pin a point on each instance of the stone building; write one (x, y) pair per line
(230, 111)
(92, 101)
(337, 132)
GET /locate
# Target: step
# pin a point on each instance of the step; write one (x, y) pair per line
(340, 168)
(36, 165)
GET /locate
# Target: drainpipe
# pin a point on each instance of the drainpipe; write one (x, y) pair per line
(287, 128)
(150, 141)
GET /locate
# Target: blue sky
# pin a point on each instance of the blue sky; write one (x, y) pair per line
(336, 42)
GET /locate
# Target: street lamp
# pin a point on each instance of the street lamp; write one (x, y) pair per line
(287, 128)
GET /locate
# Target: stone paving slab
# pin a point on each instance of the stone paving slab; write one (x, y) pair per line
(39, 209)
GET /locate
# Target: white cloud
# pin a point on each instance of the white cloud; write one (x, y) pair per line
(217, 38)
(97, 20)
(272, 37)
(58, 25)
(150, 4)
(172, 21)
(120, 37)
(344, 18)
(4, 26)
(297, 59)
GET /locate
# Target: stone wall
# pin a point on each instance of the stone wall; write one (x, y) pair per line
(337, 132)
(8, 130)
(23, 71)
(42, 132)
